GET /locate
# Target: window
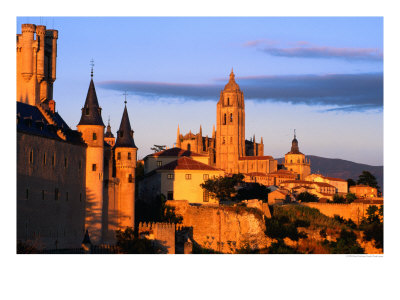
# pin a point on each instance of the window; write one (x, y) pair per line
(56, 194)
(159, 163)
(223, 141)
(119, 155)
(42, 194)
(188, 176)
(130, 178)
(93, 167)
(66, 196)
(228, 100)
(44, 158)
(231, 118)
(129, 155)
(188, 147)
(206, 196)
(231, 140)
(53, 160)
(205, 176)
(224, 119)
(94, 136)
(170, 195)
(65, 162)
(31, 157)
(170, 176)
(27, 194)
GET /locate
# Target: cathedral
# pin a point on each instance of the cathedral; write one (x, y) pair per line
(227, 148)
(69, 182)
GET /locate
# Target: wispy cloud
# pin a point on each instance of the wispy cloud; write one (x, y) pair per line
(305, 49)
(370, 54)
(356, 92)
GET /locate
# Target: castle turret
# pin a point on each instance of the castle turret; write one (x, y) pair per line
(230, 135)
(92, 128)
(178, 138)
(296, 161)
(125, 163)
(108, 136)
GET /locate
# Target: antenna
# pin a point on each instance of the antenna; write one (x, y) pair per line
(92, 65)
(295, 133)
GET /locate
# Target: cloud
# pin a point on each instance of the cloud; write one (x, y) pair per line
(346, 91)
(254, 43)
(370, 54)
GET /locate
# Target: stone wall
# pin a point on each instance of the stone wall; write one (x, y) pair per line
(353, 211)
(222, 228)
(161, 233)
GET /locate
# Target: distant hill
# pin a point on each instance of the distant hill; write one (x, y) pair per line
(344, 169)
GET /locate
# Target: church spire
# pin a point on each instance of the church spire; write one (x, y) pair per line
(295, 144)
(178, 138)
(125, 132)
(91, 111)
(213, 132)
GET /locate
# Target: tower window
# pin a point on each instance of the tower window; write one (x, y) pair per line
(65, 162)
(231, 140)
(27, 194)
(55, 194)
(130, 179)
(159, 163)
(94, 136)
(224, 119)
(31, 157)
(44, 158)
(119, 156)
(231, 118)
(223, 141)
(93, 167)
(53, 160)
(129, 155)
(188, 147)
(228, 100)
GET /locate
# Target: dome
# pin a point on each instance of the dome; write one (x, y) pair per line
(232, 86)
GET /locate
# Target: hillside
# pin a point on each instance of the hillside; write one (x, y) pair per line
(340, 168)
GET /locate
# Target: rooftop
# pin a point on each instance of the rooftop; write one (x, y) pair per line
(175, 152)
(186, 163)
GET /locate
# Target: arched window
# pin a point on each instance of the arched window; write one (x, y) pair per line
(231, 118)
(188, 147)
(224, 119)
(228, 101)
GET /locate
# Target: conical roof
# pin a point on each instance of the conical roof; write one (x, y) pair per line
(125, 132)
(91, 111)
(108, 132)
(232, 86)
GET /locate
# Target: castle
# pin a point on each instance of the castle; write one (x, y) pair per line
(68, 181)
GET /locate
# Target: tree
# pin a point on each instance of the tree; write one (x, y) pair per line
(129, 244)
(338, 199)
(368, 179)
(350, 197)
(158, 148)
(253, 191)
(223, 188)
(346, 244)
(373, 226)
(307, 197)
(351, 182)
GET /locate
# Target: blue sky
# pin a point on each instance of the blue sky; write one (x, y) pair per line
(320, 76)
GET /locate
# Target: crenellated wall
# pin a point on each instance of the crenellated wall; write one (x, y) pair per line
(163, 233)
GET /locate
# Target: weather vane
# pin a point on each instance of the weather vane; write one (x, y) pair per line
(125, 94)
(92, 65)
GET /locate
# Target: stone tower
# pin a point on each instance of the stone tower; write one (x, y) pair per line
(125, 165)
(296, 161)
(230, 135)
(92, 128)
(36, 64)
(108, 136)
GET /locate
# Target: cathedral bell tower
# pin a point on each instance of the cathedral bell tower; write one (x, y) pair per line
(230, 135)
(92, 128)
(125, 164)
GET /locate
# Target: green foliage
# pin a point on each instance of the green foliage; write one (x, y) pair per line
(281, 248)
(281, 227)
(351, 182)
(368, 179)
(350, 197)
(372, 225)
(307, 197)
(156, 211)
(129, 244)
(223, 188)
(338, 199)
(322, 233)
(246, 249)
(345, 244)
(348, 222)
(253, 191)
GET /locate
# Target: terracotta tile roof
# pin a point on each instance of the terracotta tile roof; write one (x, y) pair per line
(255, 157)
(334, 179)
(308, 182)
(186, 163)
(175, 152)
(281, 191)
(257, 174)
(326, 194)
(361, 186)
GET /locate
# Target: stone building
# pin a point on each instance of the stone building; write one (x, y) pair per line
(296, 161)
(228, 149)
(68, 181)
(363, 191)
(340, 184)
